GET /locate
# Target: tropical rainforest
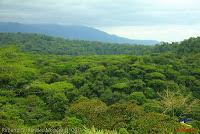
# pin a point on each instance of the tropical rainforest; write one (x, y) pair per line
(81, 87)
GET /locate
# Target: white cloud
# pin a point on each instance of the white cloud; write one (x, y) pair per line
(107, 12)
(139, 14)
(162, 33)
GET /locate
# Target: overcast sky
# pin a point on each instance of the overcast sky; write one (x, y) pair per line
(163, 20)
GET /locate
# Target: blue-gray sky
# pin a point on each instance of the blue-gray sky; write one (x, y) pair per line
(163, 20)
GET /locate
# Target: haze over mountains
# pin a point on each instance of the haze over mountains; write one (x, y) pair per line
(74, 32)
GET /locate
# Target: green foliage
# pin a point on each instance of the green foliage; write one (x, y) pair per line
(88, 110)
(32, 110)
(123, 131)
(137, 85)
(157, 85)
(57, 102)
(45, 44)
(139, 97)
(50, 77)
(10, 117)
(152, 123)
(153, 106)
(149, 93)
(120, 114)
(99, 93)
(121, 87)
(155, 75)
(73, 122)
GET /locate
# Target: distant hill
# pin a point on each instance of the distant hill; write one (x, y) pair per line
(38, 43)
(70, 32)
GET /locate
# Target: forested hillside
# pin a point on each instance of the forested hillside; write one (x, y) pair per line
(50, 45)
(37, 43)
(88, 87)
(190, 46)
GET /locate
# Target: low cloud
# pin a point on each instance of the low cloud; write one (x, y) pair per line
(103, 13)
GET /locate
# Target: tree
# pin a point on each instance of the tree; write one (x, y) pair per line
(50, 77)
(121, 87)
(10, 117)
(153, 106)
(149, 93)
(139, 97)
(119, 115)
(57, 102)
(33, 110)
(137, 85)
(173, 103)
(89, 111)
(157, 85)
(151, 123)
(155, 75)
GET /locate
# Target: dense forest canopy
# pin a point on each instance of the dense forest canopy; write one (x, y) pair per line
(93, 87)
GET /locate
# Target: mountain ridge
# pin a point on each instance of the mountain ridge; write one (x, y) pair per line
(73, 32)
